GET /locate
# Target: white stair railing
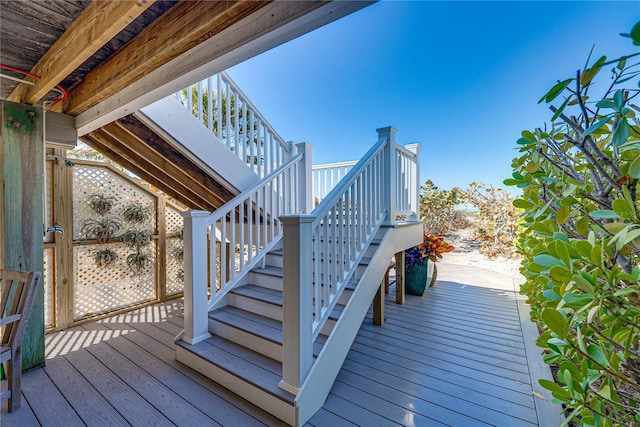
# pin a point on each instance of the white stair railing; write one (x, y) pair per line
(223, 108)
(322, 250)
(327, 176)
(221, 247)
(408, 183)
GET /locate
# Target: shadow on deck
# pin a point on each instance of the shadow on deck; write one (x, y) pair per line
(457, 356)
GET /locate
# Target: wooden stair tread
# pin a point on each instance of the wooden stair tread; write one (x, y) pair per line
(259, 293)
(268, 270)
(252, 323)
(254, 368)
(274, 297)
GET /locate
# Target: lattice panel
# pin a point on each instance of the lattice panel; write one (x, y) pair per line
(48, 279)
(175, 265)
(102, 289)
(173, 220)
(89, 180)
(48, 188)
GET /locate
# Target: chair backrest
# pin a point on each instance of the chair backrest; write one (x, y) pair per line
(17, 293)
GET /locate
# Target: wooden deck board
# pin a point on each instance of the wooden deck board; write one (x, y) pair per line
(454, 357)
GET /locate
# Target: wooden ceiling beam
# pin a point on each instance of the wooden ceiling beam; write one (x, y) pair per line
(178, 30)
(117, 151)
(98, 23)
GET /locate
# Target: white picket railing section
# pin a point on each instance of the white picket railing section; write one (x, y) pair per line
(250, 224)
(323, 249)
(225, 110)
(408, 183)
(327, 176)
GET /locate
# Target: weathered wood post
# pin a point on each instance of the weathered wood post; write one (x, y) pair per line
(196, 323)
(21, 210)
(297, 294)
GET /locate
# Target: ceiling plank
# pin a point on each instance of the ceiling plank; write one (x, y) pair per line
(98, 23)
(178, 30)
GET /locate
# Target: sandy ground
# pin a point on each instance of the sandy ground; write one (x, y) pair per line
(468, 266)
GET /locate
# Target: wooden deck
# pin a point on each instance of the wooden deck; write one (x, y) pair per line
(455, 357)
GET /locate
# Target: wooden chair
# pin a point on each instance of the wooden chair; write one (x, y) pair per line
(18, 291)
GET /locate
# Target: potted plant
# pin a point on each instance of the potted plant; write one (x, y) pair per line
(420, 262)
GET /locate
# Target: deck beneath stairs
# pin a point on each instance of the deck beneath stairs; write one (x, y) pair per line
(463, 356)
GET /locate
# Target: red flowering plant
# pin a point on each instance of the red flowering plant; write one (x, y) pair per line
(432, 247)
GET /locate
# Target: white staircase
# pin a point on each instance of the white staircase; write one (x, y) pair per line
(275, 289)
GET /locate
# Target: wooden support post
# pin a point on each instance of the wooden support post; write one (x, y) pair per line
(378, 304)
(21, 210)
(62, 200)
(400, 266)
(386, 281)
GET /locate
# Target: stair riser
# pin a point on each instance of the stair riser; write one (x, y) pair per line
(252, 305)
(274, 260)
(245, 339)
(266, 281)
(253, 394)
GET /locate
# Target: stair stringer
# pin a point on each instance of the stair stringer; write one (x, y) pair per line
(323, 373)
(174, 123)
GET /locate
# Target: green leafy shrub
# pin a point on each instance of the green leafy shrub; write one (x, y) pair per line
(438, 209)
(496, 220)
(581, 240)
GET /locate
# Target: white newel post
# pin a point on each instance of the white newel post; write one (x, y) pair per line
(297, 317)
(305, 178)
(390, 176)
(196, 324)
(415, 180)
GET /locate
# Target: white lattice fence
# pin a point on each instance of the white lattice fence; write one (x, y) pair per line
(175, 251)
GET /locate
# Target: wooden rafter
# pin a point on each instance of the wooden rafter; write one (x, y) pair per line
(181, 28)
(98, 23)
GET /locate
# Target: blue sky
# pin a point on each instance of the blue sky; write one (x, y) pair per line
(461, 78)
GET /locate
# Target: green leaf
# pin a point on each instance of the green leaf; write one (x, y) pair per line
(634, 168)
(622, 208)
(528, 135)
(594, 127)
(576, 301)
(561, 109)
(622, 63)
(523, 204)
(555, 91)
(606, 103)
(546, 260)
(555, 388)
(560, 274)
(555, 321)
(583, 284)
(597, 354)
(621, 133)
(618, 100)
(604, 214)
(564, 212)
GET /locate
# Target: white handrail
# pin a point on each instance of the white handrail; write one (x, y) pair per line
(223, 246)
(224, 109)
(407, 184)
(327, 176)
(346, 222)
